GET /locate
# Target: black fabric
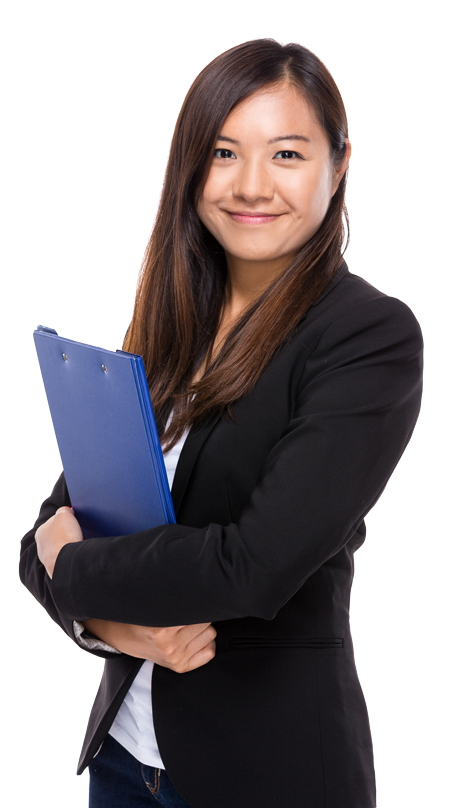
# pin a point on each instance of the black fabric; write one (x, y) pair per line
(270, 511)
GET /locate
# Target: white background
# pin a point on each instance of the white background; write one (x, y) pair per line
(91, 92)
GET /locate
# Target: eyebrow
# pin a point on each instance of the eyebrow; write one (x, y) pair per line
(269, 142)
(289, 137)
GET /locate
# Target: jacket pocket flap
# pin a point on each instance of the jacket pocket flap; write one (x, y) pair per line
(286, 642)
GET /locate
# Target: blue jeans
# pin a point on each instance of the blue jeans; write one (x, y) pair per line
(118, 780)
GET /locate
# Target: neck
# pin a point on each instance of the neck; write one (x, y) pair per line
(246, 280)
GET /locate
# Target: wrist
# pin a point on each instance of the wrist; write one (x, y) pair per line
(90, 642)
(98, 628)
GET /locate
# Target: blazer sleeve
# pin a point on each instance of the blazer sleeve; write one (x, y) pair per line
(34, 576)
(357, 404)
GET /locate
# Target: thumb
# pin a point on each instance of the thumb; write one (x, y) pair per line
(64, 508)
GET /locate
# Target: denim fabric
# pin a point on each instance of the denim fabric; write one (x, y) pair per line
(118, 780)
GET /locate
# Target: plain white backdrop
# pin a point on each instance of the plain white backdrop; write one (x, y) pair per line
(90, 95)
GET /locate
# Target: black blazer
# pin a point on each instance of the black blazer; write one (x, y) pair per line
(270, 511)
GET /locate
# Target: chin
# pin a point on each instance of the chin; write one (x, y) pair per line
(262, 255)
(256, 252)
(256, 256)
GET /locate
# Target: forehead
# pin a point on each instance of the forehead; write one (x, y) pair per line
(272, 112)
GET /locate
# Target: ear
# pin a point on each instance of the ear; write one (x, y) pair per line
(340, 171)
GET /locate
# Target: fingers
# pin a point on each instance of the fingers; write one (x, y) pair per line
(192, 630)
(202, 640)
(51, 519)
(61, 528)
(201, 657)
(186, 648)
(42, 528)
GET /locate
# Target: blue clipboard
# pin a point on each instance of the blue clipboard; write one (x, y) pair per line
(106, 433)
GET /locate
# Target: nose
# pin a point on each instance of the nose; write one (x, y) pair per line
(253, 182)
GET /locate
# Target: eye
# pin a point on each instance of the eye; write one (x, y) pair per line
(224, 154)
(288, 155)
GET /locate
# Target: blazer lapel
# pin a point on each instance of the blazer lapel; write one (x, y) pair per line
(190, 451)
(199, 434)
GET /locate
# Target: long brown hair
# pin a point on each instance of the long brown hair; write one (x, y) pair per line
(182, 281)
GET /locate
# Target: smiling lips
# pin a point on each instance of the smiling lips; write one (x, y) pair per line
(253, 218)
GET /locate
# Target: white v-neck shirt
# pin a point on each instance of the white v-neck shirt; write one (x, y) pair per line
(133, 726)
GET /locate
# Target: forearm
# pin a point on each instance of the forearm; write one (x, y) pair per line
(355, 410)
(181, 648)
(101, 629)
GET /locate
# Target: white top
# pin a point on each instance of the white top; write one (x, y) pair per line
(133, 726)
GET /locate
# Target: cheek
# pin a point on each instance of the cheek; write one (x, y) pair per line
(321, 193)
(207, 212)
(214, 188)
(206, 204)
(203, 210)
(312, 195)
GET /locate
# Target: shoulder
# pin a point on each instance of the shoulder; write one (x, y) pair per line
(365, 351)
(358, 332)
(351, 305)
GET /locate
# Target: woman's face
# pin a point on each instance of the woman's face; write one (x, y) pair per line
(271, 178)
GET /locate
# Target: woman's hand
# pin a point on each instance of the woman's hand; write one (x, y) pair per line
(60, 529)
(181, 648)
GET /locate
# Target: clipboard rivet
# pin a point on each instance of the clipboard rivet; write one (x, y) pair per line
(104, 368)
(65, 357)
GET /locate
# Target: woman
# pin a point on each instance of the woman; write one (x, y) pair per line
(293, 387)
